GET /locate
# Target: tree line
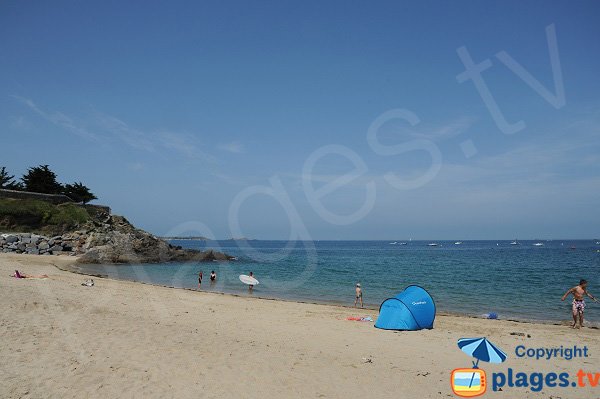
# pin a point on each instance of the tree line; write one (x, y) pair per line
(40, 179)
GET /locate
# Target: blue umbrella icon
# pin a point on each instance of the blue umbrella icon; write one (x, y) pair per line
(481, 349)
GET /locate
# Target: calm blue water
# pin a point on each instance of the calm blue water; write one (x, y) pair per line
(516, 281)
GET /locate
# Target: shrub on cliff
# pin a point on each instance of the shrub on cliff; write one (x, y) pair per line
(40, 179)
(7, 181)
(79, 193)
(38, 216)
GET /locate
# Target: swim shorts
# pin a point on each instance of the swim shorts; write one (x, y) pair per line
(578, 306)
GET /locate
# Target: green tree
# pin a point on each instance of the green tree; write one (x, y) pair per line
(40, 179)
(79, 193)
(7, 181)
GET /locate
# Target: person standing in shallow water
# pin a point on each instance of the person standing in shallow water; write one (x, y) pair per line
(359, 296)
(578, 305)
(199, 279)
(213, 277)
(250, 286)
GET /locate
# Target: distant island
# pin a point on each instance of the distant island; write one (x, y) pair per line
(201, 238)
(189, 238)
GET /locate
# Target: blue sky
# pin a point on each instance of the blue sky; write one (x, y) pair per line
(177, 114)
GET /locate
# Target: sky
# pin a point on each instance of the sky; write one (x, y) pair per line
(313, 120)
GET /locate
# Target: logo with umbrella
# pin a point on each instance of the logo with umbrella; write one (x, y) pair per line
(469, 382)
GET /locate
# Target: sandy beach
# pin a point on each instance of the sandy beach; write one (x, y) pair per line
(60, 339)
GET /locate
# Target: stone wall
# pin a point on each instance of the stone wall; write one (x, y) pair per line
(52, 198)
(34, 244)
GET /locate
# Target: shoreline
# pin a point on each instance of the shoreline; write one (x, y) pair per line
(125, 339)
(564, 322)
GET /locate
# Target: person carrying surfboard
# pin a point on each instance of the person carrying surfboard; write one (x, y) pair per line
(250, 286)
(249, 280)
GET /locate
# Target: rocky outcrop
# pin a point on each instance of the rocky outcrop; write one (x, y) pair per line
(118, 241)
(110, 240)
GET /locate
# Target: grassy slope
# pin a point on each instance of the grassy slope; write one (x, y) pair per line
(31, 215)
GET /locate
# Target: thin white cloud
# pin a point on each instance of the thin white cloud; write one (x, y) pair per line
(234, 181)
(110, 129)
(427, 130)
(451, 129)
(136, 166)
(59, 119)
(20, 123)
(122, 131)
(234, 147)
(184, 144)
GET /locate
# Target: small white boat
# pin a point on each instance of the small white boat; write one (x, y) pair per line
(597, 242)
(394, 243)
(403, 243)
(515, 242)
(458, 243)
(538, 244)
(433, 244)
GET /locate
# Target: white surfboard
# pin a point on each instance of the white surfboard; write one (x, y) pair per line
(248, 280)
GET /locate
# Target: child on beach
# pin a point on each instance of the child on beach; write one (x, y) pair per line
(578, 302)
(358, 296)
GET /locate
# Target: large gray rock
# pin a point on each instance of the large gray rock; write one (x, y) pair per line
(25, 240)
(21, 246)
(55, 248)
(43, 245)
(11, 238)
(33, 251)
(25, 235)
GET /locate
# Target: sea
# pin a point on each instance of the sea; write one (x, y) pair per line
(476, 278)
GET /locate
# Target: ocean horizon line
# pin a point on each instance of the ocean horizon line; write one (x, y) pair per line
(381, 240)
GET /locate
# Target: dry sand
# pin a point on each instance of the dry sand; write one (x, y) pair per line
(60, 339)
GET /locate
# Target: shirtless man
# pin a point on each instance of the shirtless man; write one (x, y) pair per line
(578, 303)
(358, 296)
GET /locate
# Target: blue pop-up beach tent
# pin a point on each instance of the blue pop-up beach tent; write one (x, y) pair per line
(412, 309)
